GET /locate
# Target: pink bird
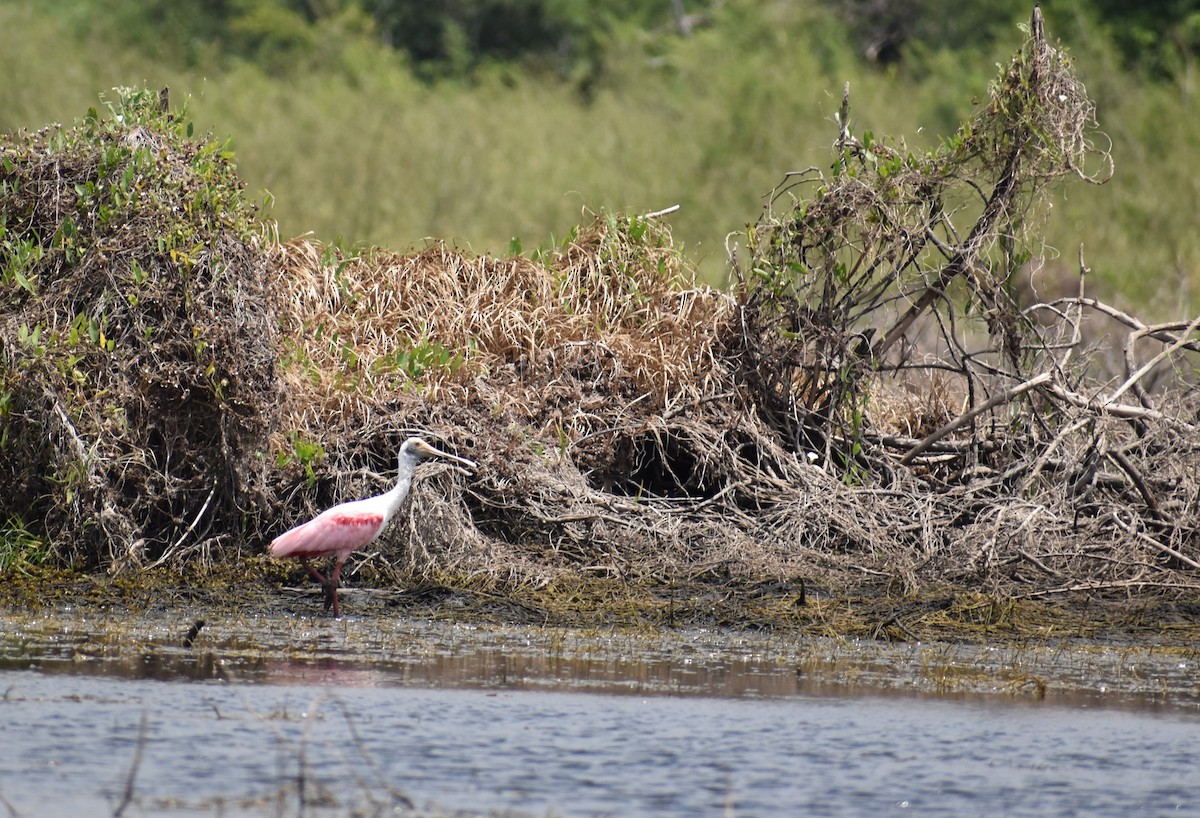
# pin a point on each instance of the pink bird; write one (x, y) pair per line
(343, 529)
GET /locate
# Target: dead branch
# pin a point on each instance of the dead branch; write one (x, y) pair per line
(962, 420)
(1134, 379)
(1153, 543)
(1138, 481)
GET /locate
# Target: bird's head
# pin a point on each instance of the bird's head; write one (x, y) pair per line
(415, 450)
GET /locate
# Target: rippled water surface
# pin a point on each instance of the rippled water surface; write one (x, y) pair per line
(95, 720)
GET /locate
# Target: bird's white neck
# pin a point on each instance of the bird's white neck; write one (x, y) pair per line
(404, 476)
(395, 497)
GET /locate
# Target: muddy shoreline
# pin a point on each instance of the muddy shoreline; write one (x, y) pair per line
(254, 628)
(260, 586)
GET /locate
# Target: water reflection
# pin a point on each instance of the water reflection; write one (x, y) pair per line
(733, 677)
(481, 668)
(376, 653)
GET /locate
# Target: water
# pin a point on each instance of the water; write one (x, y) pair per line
(70, 749)
(448, 727)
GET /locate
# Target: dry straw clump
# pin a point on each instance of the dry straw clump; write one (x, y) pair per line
(357, 327)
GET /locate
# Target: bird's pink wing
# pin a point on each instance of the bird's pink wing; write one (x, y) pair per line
(336, 531)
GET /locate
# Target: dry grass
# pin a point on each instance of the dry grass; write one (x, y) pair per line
(360, 326)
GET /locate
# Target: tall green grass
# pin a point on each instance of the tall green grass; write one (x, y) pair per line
(358, 150)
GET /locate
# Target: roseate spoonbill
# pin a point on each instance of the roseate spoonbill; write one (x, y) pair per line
(338, 531)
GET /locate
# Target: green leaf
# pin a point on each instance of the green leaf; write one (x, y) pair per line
(23, 281)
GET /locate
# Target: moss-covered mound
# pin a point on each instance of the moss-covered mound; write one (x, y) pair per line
(137, 350)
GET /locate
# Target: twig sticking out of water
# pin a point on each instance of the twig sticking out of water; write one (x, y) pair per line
(127, 794)
(301, 777)
(192, 633)
(398, 797)
(298, 750)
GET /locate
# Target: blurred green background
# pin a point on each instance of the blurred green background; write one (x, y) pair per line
(389, 122)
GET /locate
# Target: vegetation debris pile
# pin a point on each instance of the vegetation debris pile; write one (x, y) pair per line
(869, 411)
(137, 348)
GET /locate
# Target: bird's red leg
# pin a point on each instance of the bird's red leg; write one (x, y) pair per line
(325, 586)
(334, 579)
(314, 573)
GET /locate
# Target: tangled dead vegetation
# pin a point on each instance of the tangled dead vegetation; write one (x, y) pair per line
(137, 351)
(986, 446)
(868, 411)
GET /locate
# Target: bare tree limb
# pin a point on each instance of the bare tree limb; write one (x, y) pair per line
(1119, 410)
(964, 419)
(1153, 543)
(1133, 380)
